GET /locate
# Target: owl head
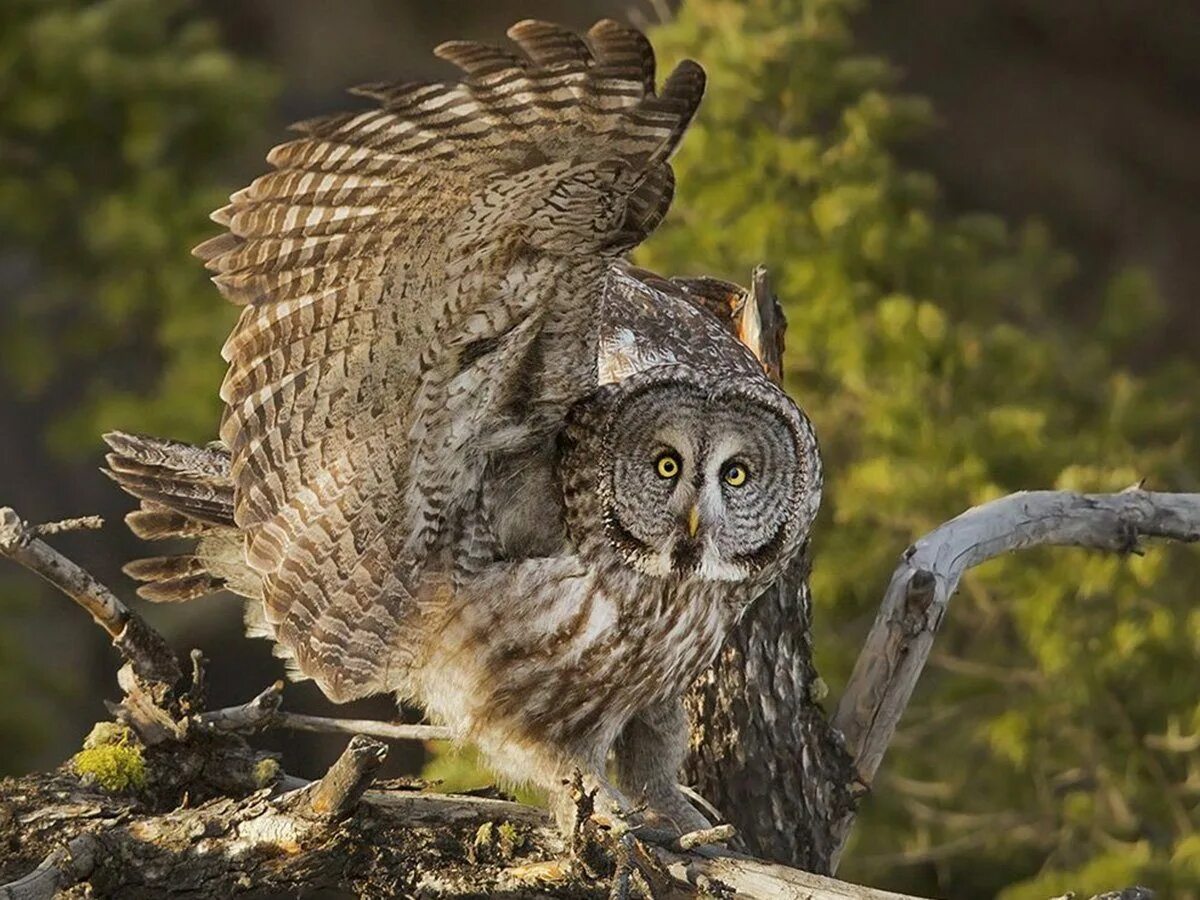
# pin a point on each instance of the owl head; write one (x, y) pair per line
(689, 475)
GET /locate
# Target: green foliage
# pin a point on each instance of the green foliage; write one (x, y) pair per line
(114, 115)
(114, 118)
(931, 353)
(460, 768)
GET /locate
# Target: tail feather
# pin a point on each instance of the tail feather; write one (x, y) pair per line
(174, 456)
(186, 493)
(192, 481)
(158, 523)
(180, 590)
(162, 568)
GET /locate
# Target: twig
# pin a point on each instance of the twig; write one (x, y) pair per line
(142, 646)
(62, 868)
(718, 834)
(347, 779)
(915, 602)
(249, 716)
(197, 689)
(263, 712)
(90, 523)
(388, 731)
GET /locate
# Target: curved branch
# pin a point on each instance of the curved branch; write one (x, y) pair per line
(915, 602)
(62, 868)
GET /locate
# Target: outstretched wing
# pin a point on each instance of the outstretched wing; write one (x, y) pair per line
(398, 269)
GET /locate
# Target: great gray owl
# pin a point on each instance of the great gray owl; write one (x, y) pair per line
(469, 455)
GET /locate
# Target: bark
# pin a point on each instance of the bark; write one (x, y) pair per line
(208, 815)
(761, 749)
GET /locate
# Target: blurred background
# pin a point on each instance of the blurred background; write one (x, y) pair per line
(983, 218)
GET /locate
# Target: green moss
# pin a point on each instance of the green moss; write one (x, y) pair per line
(115, 767)
(266, 771)
(504, 839)
(508, 839)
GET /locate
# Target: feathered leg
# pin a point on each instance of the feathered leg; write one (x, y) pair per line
(649, 753)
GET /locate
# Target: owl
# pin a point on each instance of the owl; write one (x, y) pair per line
(470, 456)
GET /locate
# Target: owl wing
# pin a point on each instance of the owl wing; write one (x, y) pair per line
(395, 270)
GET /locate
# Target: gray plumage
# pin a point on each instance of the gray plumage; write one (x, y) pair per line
(469, 455)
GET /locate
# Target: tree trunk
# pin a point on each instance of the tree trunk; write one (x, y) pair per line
(762, 750)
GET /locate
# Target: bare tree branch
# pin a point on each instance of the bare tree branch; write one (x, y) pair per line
(263, 712)
(388, 731)
(294, 835)
(915, 602)
(142, 646)
(249, 716)
(62, 868)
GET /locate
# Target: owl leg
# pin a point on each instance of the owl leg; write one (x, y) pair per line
(555, 772)
(649, 754)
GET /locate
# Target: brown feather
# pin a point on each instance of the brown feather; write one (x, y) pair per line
(180, 590)
(385, 241)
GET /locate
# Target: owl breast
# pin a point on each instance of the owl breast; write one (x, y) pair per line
(569, 659)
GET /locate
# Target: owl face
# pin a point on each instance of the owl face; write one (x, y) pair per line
(715, 481)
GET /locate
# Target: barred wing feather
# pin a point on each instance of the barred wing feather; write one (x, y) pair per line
(396, 268)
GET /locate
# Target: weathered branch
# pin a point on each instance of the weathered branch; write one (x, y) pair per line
(915, 602)
(221, 835)
(388, 731)
(142, 646)
(264, 712)
(710, 870)
(347, 779)
(62, 868)
(249, 716)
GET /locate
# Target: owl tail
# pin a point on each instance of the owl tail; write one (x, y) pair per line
(185, 493)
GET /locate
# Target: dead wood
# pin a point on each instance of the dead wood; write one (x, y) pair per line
(916, 600)
(202, 813)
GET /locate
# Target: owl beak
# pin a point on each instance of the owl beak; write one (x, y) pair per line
(693, 524)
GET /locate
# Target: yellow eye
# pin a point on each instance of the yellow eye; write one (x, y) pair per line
(735, 475)
(668, 465)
